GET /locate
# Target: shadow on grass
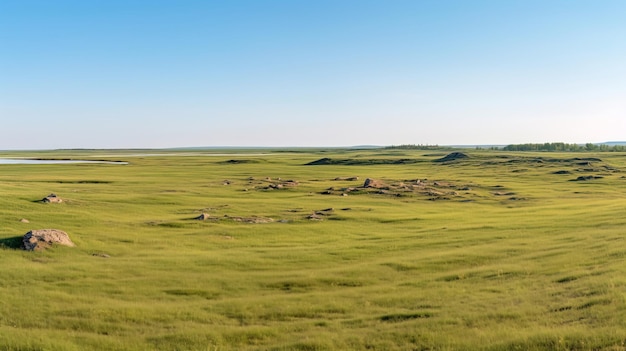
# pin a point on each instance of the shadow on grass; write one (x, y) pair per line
(11, 243)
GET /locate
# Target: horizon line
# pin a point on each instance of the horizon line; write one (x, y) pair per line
(368, 146)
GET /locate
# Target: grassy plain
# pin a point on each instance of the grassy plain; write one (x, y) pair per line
(506, 255)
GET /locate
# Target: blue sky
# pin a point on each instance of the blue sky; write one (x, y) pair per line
(118, 74)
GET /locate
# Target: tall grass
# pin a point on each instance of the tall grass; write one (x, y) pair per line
(540, 268)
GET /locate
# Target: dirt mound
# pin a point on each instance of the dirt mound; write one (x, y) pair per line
(452, 157)
(41, 239)
(321, 161)
(584, 178)
(586, 159)
(363, 162)
(238, 162)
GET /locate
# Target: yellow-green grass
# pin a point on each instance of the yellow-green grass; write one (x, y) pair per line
(521, 259)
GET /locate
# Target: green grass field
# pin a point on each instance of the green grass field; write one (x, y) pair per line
(499, 251)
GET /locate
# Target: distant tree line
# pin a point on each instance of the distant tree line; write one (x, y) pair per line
(415, 147)
(564, 147)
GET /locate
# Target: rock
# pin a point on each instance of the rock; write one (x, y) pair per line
(52, 198)
(372, 183)
(203, 217)
(24, 220)
(281, 184)
(314, 217)
(41, 239)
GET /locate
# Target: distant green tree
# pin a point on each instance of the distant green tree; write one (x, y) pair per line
(559, 146)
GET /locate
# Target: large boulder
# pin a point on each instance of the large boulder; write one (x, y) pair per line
(41, 239)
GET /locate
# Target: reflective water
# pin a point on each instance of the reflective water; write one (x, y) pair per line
(24, 161)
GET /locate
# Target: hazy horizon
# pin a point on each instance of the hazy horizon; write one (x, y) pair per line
(162, 74)
(269, 147)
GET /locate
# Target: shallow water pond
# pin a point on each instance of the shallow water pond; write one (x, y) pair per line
(25, 161)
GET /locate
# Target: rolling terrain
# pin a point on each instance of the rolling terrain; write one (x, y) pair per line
(297, 251)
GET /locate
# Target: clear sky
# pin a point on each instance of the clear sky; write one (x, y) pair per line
(156, 73)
